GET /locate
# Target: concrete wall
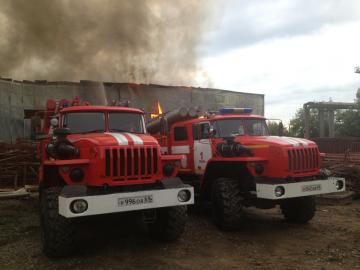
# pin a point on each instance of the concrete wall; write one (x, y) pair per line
(17, 96)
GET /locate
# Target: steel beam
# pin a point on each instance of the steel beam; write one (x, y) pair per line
(331, 121)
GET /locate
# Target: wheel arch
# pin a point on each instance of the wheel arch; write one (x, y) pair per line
(51, 178)
(226, 169)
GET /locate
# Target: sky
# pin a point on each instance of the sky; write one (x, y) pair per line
(292, 51)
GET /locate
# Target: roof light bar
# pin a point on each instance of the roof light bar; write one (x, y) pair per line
(235, 110)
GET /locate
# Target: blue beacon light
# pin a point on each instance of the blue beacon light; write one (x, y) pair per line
(235, 110)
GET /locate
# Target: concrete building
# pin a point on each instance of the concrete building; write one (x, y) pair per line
(19, 98)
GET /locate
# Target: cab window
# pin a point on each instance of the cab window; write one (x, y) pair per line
(180, 134)
(204, 131)
(195, 131)
(126, 122)
(201, 131)
(84, 122)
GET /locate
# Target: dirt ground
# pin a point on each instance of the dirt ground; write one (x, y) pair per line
(330, 241)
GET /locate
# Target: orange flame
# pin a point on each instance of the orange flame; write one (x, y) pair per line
(158, 109)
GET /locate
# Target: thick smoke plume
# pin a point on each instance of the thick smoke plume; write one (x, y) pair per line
(143, 41)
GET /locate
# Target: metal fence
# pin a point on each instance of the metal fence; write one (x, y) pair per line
(338, 145)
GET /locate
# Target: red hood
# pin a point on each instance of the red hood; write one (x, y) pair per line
(275, 140)
(114, 138)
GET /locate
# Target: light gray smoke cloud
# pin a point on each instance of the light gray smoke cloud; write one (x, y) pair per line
(143, 41)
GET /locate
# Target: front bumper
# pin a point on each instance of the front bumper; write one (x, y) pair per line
(125, 201)
(300, 189)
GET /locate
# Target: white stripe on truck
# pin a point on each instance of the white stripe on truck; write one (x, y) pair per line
(121, 139)
(136, 139)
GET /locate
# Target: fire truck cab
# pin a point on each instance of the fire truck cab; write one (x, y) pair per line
(99, 160)
(232, 161)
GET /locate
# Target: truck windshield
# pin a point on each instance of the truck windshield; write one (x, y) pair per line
(240, 127)
(84, 122)
(126, 122)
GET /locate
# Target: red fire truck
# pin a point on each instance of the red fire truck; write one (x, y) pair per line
(232, 161)
(99, 160)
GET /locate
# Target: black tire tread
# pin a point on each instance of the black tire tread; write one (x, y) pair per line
(299, 210)
(227, 200)
(58, 231)
(170, 223)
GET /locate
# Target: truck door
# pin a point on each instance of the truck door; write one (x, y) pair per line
(202, 146)
(180, 144)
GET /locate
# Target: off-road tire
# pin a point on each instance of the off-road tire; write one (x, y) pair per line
(227, 203)
(57, 231)
(299, 210)
(169, 224)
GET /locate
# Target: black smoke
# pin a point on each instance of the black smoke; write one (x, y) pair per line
(144, 41)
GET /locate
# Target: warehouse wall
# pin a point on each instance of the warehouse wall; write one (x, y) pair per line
(17, 96)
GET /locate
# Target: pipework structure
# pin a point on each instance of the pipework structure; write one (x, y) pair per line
(324, 108)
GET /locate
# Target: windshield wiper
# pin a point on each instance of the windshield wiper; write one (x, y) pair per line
(236, 134)
(92, 131)
(119, 130)
(123, 130)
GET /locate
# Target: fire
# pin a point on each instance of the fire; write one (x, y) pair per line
(158, 109)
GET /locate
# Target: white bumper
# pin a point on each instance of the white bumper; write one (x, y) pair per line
(299, 189)
(124, 202)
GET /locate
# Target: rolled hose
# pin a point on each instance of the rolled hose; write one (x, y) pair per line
(62, 150)
(232, 150)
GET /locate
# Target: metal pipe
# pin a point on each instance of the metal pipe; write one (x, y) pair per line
(170, 117)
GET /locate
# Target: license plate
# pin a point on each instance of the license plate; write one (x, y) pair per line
(138, 200)
(309, 188)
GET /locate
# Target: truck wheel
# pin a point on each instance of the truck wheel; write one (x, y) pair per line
(299, 210)
(57, 231)
(169, 224)
(227, 205)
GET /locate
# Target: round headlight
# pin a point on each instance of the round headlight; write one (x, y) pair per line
(78, 206)
(76, 175)
(339, 184)
(279, 191)
(168, 169)
(259, 168)
(184, 195)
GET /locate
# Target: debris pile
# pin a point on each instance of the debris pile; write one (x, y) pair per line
(19, 164)
(342, 159)
(345, 165)
(352, 175)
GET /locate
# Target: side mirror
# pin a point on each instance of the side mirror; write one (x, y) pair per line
(212, 131)
(54, 122)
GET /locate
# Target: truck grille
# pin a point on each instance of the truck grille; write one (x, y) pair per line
(131, 163)
(303, 160)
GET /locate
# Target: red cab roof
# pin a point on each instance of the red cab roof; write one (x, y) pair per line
(100, 108)
(221, 116)
(226, 116)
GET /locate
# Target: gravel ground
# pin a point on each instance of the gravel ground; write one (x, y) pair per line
(330, 241)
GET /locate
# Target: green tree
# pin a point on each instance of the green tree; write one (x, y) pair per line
(274, 128)
(347, 123)
(297, 124)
